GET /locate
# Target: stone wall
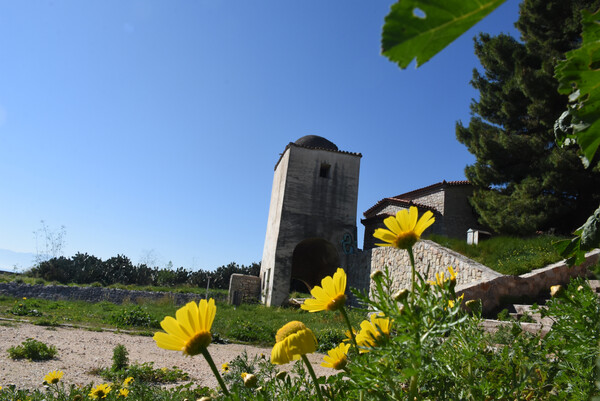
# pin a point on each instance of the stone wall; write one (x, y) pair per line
(430, 258)
(92, 294)
(244, 289)
(509, 289)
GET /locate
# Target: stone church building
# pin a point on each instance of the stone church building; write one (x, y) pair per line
(311, 228)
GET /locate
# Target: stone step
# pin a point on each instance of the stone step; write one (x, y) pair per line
(491, 326)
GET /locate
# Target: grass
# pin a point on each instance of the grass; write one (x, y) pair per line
(507, 255)
(251, 324)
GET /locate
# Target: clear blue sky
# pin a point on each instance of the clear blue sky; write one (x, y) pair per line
(153, 127)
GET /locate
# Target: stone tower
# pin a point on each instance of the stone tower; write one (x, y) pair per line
(312, 216)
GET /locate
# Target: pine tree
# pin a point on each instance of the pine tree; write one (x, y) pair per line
(523, 181)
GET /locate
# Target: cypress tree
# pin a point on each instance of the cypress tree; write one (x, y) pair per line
(523, 181)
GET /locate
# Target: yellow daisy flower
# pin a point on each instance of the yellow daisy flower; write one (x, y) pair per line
(53, 377)
(440, 278)
(330, 296)
(451, 302)
(249, 379)
(225, 367)
(373, 331)
(404, 229)
(190, 332)
(123, 392)
(293, 340)
(100, 391)
(127, 381)
(336, 358)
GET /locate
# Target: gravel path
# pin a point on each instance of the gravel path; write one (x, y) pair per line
(80, 351)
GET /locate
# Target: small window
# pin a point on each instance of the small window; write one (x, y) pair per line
(324, 172)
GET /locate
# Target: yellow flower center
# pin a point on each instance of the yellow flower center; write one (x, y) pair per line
(289, 329)
(337, 302)
(406, 240)
(197, 343)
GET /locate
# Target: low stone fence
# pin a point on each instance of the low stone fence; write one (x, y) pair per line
(509, 289)
(92, 294)
(430, 258)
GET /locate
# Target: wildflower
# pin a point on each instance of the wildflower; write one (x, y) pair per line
(190, 332)
(24, 298)
(440, 278)
(451, 302)
(225, 367)
(336, 358)
(123, 392)
(281, 375)
(373, 331)
(404, 230)
(293, 340)
(249, 380)
(53, 377)
(100, 391)
(127, 381)
(556, 290)
(330, 296)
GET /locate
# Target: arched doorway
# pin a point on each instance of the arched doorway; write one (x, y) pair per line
(313, 259)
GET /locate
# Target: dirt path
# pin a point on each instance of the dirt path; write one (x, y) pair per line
(80, 351)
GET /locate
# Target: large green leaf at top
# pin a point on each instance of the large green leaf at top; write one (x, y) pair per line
(422, 28)
(579, 77)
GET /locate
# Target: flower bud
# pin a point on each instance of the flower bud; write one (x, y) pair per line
(281, 375)
(400, 295)
(376, 274)
(205, 398)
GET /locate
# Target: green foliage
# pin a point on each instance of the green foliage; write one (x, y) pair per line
(33, 350)
(577, 77)
(134, 316)
(421, 29)
(120, 358)
(329, 339)
(507, 255)
(247, 331)
(86, 269)
(25, 307)
(145, 373)
(523, 181)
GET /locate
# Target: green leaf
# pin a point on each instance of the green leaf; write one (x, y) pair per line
(422, 28)
(579, 77)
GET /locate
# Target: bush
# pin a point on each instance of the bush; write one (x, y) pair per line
(135, 316)
(120, 358)
(33, 350)
(246, 331)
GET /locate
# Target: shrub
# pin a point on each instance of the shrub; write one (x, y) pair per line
(135, 316)
(33, 350)
(243, 330)
(120, 358)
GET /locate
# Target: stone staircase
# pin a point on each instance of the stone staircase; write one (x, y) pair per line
(533, 321)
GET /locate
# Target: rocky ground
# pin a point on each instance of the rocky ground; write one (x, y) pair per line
(80, 351)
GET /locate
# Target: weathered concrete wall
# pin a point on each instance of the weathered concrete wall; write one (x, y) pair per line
(497, 291)
(92, 294)
(304, 205)
(244, 289)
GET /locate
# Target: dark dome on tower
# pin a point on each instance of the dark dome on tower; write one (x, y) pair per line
(315, 141)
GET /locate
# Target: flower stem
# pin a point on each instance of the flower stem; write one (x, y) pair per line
(312, 374)
(352, 336)
(412, 265)
(213, 367)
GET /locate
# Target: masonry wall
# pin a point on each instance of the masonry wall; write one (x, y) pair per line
(94, 294)
(430, 258)
(459, 215)
(244, 288)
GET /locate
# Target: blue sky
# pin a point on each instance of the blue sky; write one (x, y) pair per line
(151, 128)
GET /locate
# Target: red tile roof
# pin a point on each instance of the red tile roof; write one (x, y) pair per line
(405, 199)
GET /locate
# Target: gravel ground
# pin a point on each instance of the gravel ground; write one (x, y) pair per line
(80, 351)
